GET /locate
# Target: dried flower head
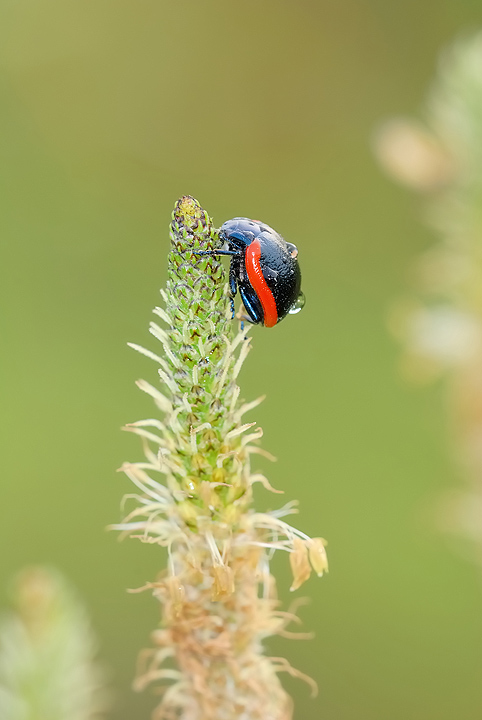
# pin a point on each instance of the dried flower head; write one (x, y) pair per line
(195, 498)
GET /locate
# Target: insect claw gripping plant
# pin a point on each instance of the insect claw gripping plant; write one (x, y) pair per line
(217, 595)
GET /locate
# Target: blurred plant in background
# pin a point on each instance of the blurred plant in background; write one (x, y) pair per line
(441, 325)
(48, 669)
(217, 594)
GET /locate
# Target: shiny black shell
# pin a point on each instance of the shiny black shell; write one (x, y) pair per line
(278, 263)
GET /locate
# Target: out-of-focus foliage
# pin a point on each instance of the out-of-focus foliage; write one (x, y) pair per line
(47, 654)
(111, 109)
(443, 331)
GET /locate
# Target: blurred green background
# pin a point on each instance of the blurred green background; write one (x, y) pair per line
(111, 109)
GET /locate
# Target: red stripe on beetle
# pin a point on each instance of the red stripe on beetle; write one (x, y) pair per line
(258, 283)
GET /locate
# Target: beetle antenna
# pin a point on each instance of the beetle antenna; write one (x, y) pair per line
(215, 252)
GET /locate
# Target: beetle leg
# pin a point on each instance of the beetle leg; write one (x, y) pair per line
(252, 305)
(233, 283)
(233, 277)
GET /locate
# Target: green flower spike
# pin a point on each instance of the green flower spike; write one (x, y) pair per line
(217, 595)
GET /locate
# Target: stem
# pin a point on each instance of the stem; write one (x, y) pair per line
(217, 595)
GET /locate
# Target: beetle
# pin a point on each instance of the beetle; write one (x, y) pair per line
(264, 268)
